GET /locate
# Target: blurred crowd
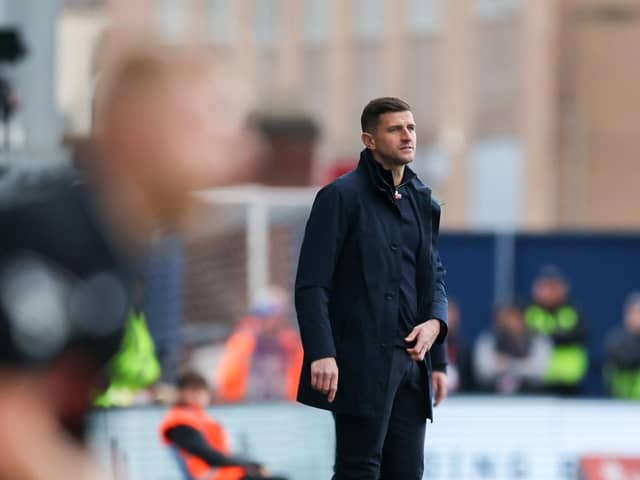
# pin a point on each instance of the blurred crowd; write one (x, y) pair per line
(539, 346)
(542, 346)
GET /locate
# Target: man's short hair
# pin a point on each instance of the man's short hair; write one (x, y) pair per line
(551, 273)
(378, 106)
(191, 380)
(513, 305)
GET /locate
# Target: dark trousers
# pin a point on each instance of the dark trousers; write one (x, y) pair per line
(389, 446)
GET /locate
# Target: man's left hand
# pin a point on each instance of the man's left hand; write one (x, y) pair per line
(424, 335)
(440, 388)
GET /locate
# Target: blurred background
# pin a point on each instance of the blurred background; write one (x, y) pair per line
(527, 132)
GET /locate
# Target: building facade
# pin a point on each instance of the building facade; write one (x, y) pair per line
(524, 109)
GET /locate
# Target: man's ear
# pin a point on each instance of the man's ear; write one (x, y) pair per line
(368, 141)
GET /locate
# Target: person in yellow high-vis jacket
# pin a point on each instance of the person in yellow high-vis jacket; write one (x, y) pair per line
(552, 315)
(135, 366)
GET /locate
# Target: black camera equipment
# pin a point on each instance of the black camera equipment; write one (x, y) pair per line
(12, 50)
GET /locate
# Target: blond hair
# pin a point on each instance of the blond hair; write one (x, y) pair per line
(140, 68)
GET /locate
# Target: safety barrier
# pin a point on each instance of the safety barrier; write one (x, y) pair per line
(493, 438)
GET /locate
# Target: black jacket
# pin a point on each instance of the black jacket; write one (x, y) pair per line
(52, 230)
(347, 285)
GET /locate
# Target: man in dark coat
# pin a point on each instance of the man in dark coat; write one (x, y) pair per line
(372, 306)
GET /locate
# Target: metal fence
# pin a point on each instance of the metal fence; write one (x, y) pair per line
(246, 238)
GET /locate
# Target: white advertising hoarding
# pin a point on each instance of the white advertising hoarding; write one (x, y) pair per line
(526, 438)
(473, 438)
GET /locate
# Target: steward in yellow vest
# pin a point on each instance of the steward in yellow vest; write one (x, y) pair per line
(552, 316)
(135, 366)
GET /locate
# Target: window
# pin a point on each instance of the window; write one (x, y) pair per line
(171, 16)
(221, 22)
(425, 16)
(316, 22)
(489, 10)
(83, 4)
(496, 171)
(267, 21)
(369, 18)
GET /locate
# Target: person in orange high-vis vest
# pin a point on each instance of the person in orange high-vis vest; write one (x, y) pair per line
(200, 443)
(263, 358)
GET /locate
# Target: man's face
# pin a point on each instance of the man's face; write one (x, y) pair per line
(394, 139)
(511, 321)
(550, 292)
(197, 397)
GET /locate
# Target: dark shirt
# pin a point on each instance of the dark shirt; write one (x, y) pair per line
(622, 350)
(409, 248)
(52, 232)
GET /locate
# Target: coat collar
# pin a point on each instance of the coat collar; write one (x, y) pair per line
(382, 179)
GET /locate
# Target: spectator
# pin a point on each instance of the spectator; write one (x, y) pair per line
(553, 316)
(622, 354)
(263, 358)
(460, 376)
(201, 443)
(511, 358)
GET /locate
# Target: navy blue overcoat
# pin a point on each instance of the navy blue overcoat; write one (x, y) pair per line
(347, 286)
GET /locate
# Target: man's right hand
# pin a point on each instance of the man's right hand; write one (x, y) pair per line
(324, 376)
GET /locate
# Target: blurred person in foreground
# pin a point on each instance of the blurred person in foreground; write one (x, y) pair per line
(63, 295)
(622, 353)
(510, 358)
(372, 305)
(553, 316)
(165, 126)
(459, 372)
(63, 302)
(263, 357)
(201, 444)
(163, 129)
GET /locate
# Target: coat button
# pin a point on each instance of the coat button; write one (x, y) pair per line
(389, 296)
(394, 247)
